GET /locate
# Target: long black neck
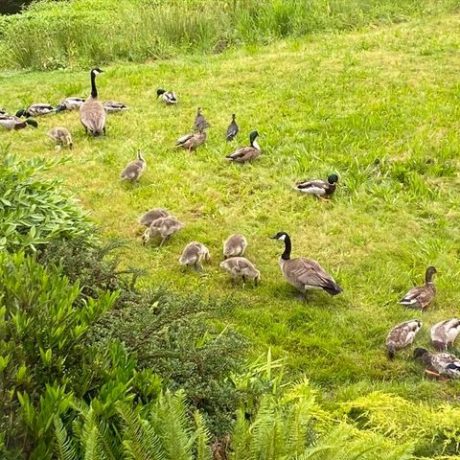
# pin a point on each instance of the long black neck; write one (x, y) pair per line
(93, 85)
(287, 248)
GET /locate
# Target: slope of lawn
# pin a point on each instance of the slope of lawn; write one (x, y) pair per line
(380, 107)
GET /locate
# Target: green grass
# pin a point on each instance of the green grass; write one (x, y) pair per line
(380, 107)
(78, 33)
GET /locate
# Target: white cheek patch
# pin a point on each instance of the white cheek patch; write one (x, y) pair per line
(282, 237)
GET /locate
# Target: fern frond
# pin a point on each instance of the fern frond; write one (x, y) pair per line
(170, 422)
(140, 441)
(241, 438)
(64, 448)
(202, 437)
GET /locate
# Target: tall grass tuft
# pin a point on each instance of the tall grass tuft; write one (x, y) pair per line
(52, 35)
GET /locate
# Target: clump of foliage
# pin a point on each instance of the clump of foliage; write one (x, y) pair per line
(436, 430)
(33, 211)
(289, 424)
(80, 32)
(169, 335)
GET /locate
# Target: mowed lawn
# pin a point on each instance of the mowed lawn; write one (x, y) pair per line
(380, 107)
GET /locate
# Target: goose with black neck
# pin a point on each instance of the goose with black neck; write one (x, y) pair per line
(304, 274)
(92, 113)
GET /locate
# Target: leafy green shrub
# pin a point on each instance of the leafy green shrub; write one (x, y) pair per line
(42, 326)
(434, 431)
(33, 211)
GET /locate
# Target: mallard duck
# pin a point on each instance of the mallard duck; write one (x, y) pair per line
(240, 267)
(319, 188)
(134, 170)
(12, 122)
(113, 106)
(70, 103)
(164, 227)
(36, 110)
(444, 333)
(234, 246)
(440, 363)
(200, 123)
(62, 136)
(154, 214)
(244, 154)
(421, 296)
(232, 129)
(193, 254)
(191, 141)
(168, 97)
(402, 336)
(92, 113)
(304, 274)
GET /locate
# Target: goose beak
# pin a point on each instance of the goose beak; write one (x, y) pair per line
(273, 237)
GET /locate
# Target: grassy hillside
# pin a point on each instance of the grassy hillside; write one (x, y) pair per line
(78, 33)
(379, 107)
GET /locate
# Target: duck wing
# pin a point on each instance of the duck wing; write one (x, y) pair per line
(200, 123)
(232, 131)
(313, 187)
(40, 109)
(113, 106)
(182, 140)
(401, 335)
(243, 154)
(170, 97)
(419, 296)
(446, 363)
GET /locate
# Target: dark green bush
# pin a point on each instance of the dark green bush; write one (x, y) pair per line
(170, 336)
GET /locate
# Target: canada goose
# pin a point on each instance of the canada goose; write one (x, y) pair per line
(113, 106)
(164, 227)
(444, 333)
(234, 246)
(70, 103)
(193, 254)
(154, 214)
(200, 123)
(92, 113)
(36, 110)
(319, 188)
(232, 129)
(134, 170)
(191, 141)
(304, 274)
(240, 267)
(421, 296)
(440, 363)
(244, 154)
(13, 122)
(168, 97)
(61, 136)
(402, 336)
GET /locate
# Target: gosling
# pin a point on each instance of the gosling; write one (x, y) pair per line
(193, 254)
(234, 246)
(61, 136)
(134, 170)
(163, 227)
(240, 267)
